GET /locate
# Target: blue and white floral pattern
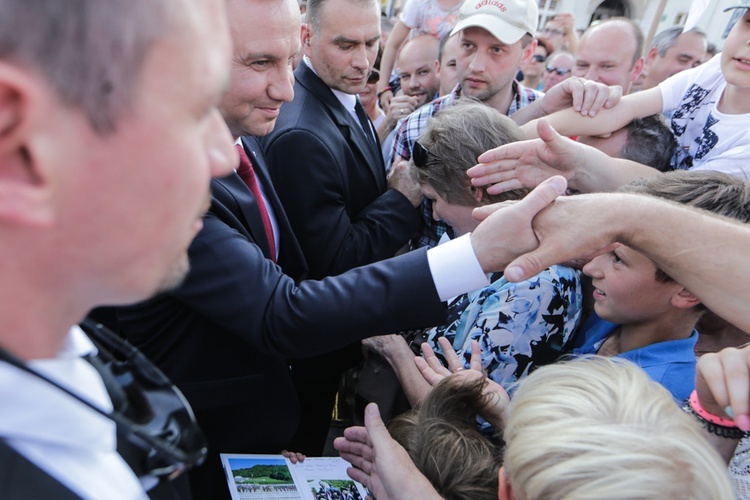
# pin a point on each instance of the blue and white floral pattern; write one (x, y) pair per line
(518, 325)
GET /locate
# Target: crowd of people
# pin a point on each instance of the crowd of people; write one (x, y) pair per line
(528, 232)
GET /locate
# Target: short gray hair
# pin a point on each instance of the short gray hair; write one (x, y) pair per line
(313, 11)
(90, 51)
(667, 39)
(455, 138)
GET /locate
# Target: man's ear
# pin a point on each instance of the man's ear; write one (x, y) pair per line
(24, 194)
(637, 68)
(651, 56)
(306, 38)
(684, 299)
(528, 53)
(503, 486)
(478, 194)
(437, 68)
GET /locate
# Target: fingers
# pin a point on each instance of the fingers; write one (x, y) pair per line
(432, 360)
(481, 213)
(547, 133)
(454, 362)
(427, 372)
(615, 94)
(293, 457)
(534, 262)
(476, 356)
(723, 384)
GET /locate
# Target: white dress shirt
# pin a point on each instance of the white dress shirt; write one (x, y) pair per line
(60, 435)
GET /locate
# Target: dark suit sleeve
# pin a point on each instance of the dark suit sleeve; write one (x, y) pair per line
(236, 288)
(323, 196)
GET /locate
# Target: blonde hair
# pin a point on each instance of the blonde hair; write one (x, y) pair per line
(600, 428)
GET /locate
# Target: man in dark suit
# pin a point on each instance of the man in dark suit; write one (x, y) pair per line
(108, 143)
(224, 335)
(328, 170)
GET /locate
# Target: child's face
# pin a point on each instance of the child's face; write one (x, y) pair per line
(735, 56)
(626, 290)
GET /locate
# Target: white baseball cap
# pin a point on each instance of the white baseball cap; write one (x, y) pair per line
(742, 4)
(506, 20)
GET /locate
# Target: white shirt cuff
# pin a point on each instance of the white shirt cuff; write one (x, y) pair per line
(455, 268)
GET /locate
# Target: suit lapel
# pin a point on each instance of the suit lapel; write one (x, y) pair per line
(346, 122)
(291, 257)
(248, 210)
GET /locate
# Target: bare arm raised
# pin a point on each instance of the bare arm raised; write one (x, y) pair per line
(703, 252)
(583, 96)
(527, 163)
(571, 122)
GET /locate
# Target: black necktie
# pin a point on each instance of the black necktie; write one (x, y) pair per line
(364, 121)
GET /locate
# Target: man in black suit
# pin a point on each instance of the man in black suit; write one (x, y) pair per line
(224, 335)
(328, 170)
(107, 145)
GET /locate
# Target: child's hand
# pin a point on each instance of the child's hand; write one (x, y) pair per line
(722, 381)
(433, 372)
(293, 456)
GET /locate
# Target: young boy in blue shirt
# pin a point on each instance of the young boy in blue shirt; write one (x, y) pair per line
(640, 313)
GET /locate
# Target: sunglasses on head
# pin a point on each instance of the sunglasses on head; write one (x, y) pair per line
(559, 71)
(539, 58)
(420, 155)
(374, 76)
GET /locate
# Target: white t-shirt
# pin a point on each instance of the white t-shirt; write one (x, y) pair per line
(707, 139)
(427, 17)
(63, 437)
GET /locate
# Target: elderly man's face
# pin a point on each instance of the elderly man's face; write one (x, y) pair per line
(130, 203)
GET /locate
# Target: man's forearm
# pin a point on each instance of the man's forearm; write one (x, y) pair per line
(704, 253)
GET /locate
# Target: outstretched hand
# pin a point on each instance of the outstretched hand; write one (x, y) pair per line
(380, 463)
(530, 235)
(433, 372)
(526, 164)
(506, 231)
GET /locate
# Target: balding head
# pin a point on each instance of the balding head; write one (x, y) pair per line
(611, 52)
(418, 68)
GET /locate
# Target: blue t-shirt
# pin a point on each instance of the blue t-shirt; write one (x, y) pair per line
(671, 363)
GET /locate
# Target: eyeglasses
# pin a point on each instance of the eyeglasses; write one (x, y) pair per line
(374, 76)
(559, 71)
(539, 58)
(420, 155)
(552, 32)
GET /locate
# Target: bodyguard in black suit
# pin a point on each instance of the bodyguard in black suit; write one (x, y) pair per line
(328, 170)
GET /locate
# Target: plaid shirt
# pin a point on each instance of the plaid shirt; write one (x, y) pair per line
(414, 125)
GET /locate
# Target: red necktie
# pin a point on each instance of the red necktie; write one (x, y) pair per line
(247, 174)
